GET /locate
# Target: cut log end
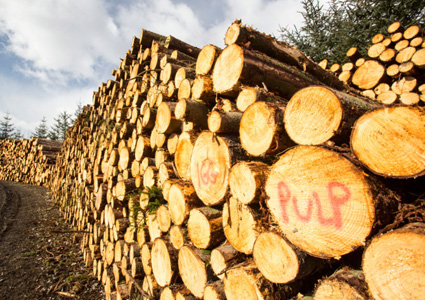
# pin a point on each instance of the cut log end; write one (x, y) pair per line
(399, 257)
(313, 116)
(391, 141)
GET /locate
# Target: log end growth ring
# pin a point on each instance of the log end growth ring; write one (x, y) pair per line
(257, 128)
(209, 168)
(321, 201)
(399, 257)
(391, 141)
(313, 115)
(228, 69)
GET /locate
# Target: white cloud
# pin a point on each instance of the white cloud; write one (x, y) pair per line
(54, 37)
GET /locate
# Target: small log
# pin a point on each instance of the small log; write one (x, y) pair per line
(205, 227)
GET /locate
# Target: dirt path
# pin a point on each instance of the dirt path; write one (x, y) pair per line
(37, 257)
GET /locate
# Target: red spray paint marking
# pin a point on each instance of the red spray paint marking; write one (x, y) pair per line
(206, 174)
(336, 202)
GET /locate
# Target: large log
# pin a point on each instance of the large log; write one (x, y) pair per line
(394, 264)
(237, 65)
(315, 115)
(323, 203)
(391, 141)
(251, 38)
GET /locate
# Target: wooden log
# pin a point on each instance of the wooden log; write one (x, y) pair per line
(178, 236)
(261, 129)
(214, 291)
(146, 257)
(324, 212)
(193, 269)
(246, 282)
(176, 44)
(164, 262)
(191, 110)
(343, 284)
(240, 225)
(205, 227)
(393, 263)
(165, 121)
(373, 141)
(202, 89)
(419, 58)
(146, 38)
(206, 59)
(280, 262)
(223, 257)
(315, 115)
(247, 181)
(236, 66)
(368, 75)
(210, 164)
(182, 198)
(247, 36)
(225, 122)
(183, 154)
(249, 95)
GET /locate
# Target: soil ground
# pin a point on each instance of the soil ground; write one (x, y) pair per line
(38, 259)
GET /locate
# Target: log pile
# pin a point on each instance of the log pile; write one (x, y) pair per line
(393, 72)
(30, 161)
(247, 172)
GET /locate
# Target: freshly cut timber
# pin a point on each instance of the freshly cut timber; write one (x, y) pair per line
(391, 141)
(261, 129)
(248, 37)
(191, 110)
(223, 257)
(210, 165)
(214, 291)
(247, 180)
(323, 203)
(202, 89)
(193, 270)
(164, 262)
(206, 59)
(176, 44)
(279, 261)
(241, 225)
(399, 257)
(237, 65)
(344, 284)
(205, 227)
(182, 156)
(249, 95)
(181, 199)
(368, 75)
(246, 282)
(224, 122)
(317, 114)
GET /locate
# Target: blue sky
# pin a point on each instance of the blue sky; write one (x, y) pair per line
(55, 53)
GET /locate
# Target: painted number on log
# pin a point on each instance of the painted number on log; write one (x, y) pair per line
(336, 201)
(206, 173)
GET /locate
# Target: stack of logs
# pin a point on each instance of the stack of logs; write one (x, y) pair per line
(248, 172)
(393, 71)
(30, 161)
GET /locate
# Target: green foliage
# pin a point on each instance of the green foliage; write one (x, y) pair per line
(6, 127)
(156, 199)
(61, 125)
(41, 131)
(327, 33)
